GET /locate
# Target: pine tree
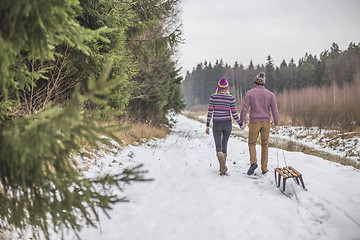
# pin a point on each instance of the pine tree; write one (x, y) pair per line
(119, 17)
(271, 82)
(153, 39)
(40, 185)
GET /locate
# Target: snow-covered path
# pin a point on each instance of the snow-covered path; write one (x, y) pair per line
(188, 200)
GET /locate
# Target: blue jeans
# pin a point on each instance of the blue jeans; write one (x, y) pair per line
(221, 132)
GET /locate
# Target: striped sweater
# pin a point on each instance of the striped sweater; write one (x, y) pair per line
(221, 107)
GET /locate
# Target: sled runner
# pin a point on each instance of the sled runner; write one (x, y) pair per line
(285, 173)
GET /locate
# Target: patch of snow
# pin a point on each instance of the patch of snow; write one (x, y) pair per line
(188, 199)
(340, 144)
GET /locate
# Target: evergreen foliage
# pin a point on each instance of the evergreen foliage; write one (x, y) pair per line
(30, 31)
(53, 96)
(153, 40)
(40, 185)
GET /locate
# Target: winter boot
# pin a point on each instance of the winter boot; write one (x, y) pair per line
(222, 161)
(225, 168)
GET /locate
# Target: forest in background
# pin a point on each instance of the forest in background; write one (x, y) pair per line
(319, 91)
(68, 71)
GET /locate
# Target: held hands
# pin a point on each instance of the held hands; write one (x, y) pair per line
(207, 130)
(276, 128)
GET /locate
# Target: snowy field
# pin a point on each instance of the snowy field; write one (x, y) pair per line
(188, 200)
(344, 145)
(341, 144)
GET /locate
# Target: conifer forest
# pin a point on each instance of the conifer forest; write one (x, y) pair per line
(313, 91)
(67, 69)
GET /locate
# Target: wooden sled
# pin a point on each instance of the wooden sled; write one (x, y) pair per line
(285, 173)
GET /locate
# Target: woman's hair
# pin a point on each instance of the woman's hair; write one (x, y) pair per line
(224, 91)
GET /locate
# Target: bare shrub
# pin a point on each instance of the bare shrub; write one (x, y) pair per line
(348, 116)
(330, 107)
(56, 84)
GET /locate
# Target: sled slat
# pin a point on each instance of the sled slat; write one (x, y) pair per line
(292, 172)
(288, 172)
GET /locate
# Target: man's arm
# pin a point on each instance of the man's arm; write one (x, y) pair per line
(245, 107)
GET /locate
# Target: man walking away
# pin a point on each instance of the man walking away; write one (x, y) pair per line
(261, 102)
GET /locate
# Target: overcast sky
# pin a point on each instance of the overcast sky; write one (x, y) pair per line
(244, 30)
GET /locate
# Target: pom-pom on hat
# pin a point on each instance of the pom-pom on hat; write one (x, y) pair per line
(260, 79)
(223, 84)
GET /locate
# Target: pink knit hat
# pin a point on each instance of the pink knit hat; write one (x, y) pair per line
(223, 84)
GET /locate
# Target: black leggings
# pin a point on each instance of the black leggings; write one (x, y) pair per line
(221, 131)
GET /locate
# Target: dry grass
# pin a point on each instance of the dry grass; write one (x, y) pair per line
(128, 133)
(285, 120)
(192, 115)
(140, 132)
(131, 132)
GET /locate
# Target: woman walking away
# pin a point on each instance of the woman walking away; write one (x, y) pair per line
(221, 107)
(261, 101)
